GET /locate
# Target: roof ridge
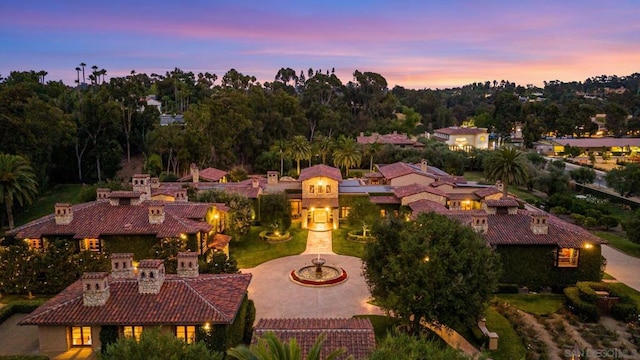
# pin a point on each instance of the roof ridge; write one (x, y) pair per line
(80, 206)
(211, 305)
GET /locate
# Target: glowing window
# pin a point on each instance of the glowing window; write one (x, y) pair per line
(132, 332)
(568, 257)
(186, 333)
(81, 336)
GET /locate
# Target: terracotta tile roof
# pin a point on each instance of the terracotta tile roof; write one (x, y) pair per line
(391, 199)
(392, 139)
(208, 174)
(487, 191)
(453, 130)
(181, 301)
(462, 196)
(125, 194)
(392, 171)
(319, 202)
(425, 206)
(502, 203)
(220, 241)
(413, 189)
(99, 218)
(320, 170)
(599, 142)
(355, 335)
(516, 230)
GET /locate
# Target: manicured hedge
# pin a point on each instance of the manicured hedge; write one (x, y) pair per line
(19, 307)
(586, 311)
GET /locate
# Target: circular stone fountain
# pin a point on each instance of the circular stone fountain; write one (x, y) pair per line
(318, 274)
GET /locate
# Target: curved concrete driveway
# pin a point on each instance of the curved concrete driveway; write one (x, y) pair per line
(276, 296)
(623, 267)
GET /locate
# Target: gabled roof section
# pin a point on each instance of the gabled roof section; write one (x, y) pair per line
(99, 218)
(454, 130)
(484, 192)
(355, 335)
(426, 206)
(413, 189)
(208, 174)
(392, 171)
(212, 298)
(320, 170)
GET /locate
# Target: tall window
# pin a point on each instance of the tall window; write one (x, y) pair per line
(81, 336)
(568, 257)
(132, 332)
(186, 333)
(344, 212)
(328, 187)
(35, 244)
(312, 189)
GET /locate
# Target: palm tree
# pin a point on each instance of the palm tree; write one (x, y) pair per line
(323, 145)
(269, 347)
(83, 65)
(346, 153)
(299, 149)
(280, 147)
(17, 182)
(508, 165)
(373, 149)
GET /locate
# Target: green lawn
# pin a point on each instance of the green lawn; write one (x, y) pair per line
(44, 204)
(620, 243)
(509, 344)
(623, 289)
(252, 251)
(474, 176)
(343, 246)
(537, 304)
(8, 299)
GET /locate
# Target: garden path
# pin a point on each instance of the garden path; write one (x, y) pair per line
(319, 242)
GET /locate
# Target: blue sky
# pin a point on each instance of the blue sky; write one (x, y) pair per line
(416, 44)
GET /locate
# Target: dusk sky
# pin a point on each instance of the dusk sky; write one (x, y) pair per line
(415, 44)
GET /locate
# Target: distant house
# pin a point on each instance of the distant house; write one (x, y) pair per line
(117, 218)
(617, 146)
(354, 335)
(205, 175)
(395, 139)
(168, 119)
(132, 298)
(150, 100)
(536, 249)
(463, 138)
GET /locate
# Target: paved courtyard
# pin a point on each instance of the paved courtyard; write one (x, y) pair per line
(18, 340)
(276, 296)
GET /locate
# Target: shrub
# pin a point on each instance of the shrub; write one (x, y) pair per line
(608, 222)
(559, 210)
(168, 177)
(594, 213)
(19, 307)
(589, 222)
(624, 312)
(507, 288)
(586, 311)
(579, 219)
(586, 292)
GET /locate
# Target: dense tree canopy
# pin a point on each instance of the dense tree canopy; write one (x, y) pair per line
(432, 269)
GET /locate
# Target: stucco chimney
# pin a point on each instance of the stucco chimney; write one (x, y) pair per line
(181, 195)
(95, 288)
(195, 173)
(156, 214)
(102, 193)
(142, 184)
(155, 182)
(150, 276)
(423, 165)
(272, 177)
(64, 214)
(500, 185)
(539, 223)
(188, 264)
(480, 222)
(255, 182)
(122, 266)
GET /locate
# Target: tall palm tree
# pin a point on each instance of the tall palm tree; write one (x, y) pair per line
(269, 347)
(280, 147)
(373, 149)
(83, 65)
(509, 165)
(299, 149)
(17, 183)
(347, 153)
(322, 145)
